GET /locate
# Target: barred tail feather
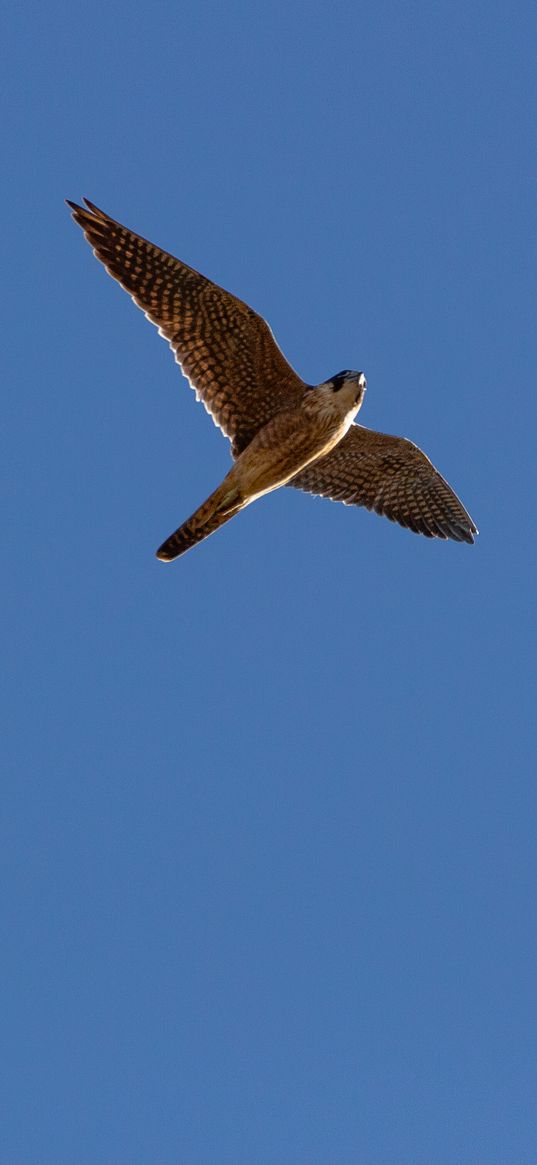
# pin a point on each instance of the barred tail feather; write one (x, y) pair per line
(218, 509)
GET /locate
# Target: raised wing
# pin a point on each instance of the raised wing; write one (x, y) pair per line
(393, 477)
(226, 350)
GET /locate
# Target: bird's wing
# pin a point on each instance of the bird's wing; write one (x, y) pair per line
(393, 477)
(225, 350)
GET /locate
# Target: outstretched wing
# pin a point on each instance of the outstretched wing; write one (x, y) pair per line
(393, 477)
(226, 350)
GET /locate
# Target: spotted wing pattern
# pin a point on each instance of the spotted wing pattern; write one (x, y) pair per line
(226, 350)
(393, 477)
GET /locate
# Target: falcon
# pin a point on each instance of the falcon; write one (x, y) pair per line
(282, 430)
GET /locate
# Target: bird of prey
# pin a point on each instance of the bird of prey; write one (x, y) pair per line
(282, 430)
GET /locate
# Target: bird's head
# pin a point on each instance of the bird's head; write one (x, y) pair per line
(349, 387)
(340, 397)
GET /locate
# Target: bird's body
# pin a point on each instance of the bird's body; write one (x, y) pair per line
(283, 431)
(291, 441)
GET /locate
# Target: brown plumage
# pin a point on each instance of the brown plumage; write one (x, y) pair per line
(282, 431)
(391, 476)
(225, 349)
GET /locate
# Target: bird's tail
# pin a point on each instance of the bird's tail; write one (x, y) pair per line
(222, 505)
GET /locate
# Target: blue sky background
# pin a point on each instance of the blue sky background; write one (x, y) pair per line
(269, 813)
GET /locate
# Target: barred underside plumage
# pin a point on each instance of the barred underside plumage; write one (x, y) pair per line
(391, 476)
(225, 349)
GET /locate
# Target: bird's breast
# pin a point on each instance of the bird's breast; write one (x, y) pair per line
(284, 446)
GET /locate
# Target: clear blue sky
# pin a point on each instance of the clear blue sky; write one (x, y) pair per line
(269, 813)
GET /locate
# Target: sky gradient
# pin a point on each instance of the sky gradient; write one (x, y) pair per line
(269, 812)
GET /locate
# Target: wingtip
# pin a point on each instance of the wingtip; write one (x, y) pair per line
(460, 533)
(90, 210)
(472, 533)
(468, 534)
(95, 210)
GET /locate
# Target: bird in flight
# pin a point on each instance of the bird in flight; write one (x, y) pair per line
(282, 430)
